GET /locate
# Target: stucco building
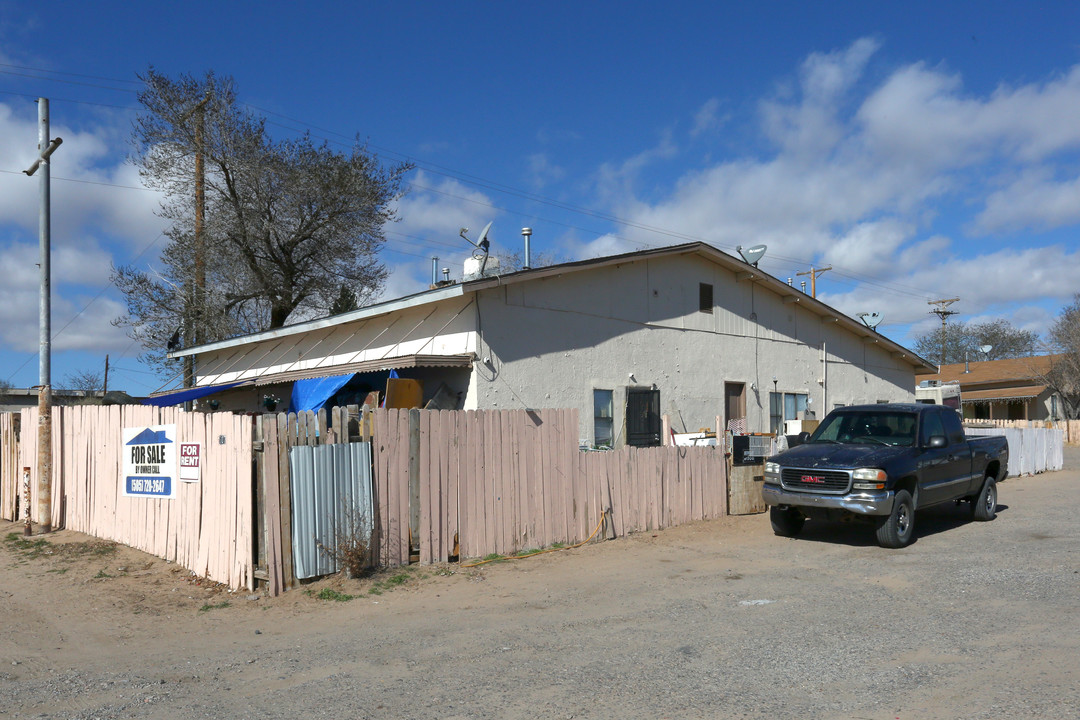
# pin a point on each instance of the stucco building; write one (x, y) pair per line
(688, 331)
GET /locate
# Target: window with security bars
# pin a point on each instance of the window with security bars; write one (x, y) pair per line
(642, 417)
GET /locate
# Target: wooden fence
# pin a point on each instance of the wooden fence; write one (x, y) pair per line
(10, 467)
(1069, 428)
(446, 484)
(208, 527)
(504, 481)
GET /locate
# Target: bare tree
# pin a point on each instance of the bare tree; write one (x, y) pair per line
(85, 380)
(963, 340)
(287, 222)
(513, 261)
(1063, 377)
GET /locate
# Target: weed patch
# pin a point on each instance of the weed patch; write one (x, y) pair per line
(331, 594)
(208, 607)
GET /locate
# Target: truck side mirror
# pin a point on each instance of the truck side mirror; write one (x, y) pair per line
(803, 437)
(937, 441)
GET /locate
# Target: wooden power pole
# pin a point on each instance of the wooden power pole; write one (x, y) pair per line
(813, 273)
(942, 311)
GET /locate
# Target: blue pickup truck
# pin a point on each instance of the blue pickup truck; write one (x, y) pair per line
(880, 464)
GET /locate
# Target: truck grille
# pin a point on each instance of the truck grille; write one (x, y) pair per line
(816, 480)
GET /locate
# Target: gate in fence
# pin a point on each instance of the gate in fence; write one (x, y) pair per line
(332, 510)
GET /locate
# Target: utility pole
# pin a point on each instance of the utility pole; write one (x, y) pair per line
(813, 273)
(45, 149)
(105, 384)
(942, 311)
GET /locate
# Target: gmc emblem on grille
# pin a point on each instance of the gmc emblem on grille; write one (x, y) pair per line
(812, 479)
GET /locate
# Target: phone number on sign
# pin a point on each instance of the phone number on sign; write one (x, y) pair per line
(150, 486)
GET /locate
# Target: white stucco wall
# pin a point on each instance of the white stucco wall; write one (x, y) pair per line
(553, 340)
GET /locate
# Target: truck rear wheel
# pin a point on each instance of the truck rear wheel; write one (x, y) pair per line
(895, 529)
(787, 522)
(984, 507)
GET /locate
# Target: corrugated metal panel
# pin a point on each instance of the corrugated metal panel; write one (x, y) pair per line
(331, 495)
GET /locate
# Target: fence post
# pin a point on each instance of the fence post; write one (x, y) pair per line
(414, 482)
(288, 577)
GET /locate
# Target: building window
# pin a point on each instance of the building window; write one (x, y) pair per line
(642, 417)
(785, 406)
(705, 301)
(603, 423)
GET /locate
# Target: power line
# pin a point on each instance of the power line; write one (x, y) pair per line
(461, 176)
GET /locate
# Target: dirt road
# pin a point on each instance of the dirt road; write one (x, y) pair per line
(714, 620)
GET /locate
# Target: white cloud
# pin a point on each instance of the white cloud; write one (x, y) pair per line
(19, 297)
(707, 119)
(872, 176)
(86, 171)
(1034, 200)
(441, 208)
(543, 172)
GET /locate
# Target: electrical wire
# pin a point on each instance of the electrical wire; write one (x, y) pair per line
(474, 180)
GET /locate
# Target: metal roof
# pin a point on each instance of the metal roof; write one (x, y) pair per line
(743, 272)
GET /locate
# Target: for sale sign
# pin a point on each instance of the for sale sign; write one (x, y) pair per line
(149, 461)
(190, 461)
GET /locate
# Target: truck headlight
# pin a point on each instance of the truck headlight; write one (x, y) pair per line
(868, 479)
(772, 470)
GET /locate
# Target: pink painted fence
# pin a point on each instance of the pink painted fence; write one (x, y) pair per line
(505, 481)
(206, 528)
(10, 469)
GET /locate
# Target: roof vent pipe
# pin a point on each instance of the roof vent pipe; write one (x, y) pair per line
(789, 282)
(435, 270)
(527, 233)
(446, 274)
(803, 284)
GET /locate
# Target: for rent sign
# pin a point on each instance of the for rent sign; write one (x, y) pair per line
(150, 461)
(190, 461)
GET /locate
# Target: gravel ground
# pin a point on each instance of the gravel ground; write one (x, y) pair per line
(712, 620)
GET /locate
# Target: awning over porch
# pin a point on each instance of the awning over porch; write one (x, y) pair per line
(1025, 392)
(395, 363)
(182, 396)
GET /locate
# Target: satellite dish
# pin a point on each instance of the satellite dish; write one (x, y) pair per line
(482, 244)
(985, 349)
(870, 319)
(753, 255)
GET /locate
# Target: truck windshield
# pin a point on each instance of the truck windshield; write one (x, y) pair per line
(867, 427)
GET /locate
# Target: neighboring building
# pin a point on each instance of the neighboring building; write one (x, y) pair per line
(1004, 389)
(14, 399)
(687, 331)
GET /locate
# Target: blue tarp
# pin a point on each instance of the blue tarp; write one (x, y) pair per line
(313, 393)
(183, 396)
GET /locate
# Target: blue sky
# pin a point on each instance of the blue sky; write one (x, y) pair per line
(924, 152)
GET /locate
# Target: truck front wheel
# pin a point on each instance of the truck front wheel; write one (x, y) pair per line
(895, 529)
(787, 522)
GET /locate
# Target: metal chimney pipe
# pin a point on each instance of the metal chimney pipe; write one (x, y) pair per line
(435, 270)
(446, 274)
(789, 281)
(803, 284)
(527, 233)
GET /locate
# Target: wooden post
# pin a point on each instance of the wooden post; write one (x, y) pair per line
(414, 481)
(288, 578)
